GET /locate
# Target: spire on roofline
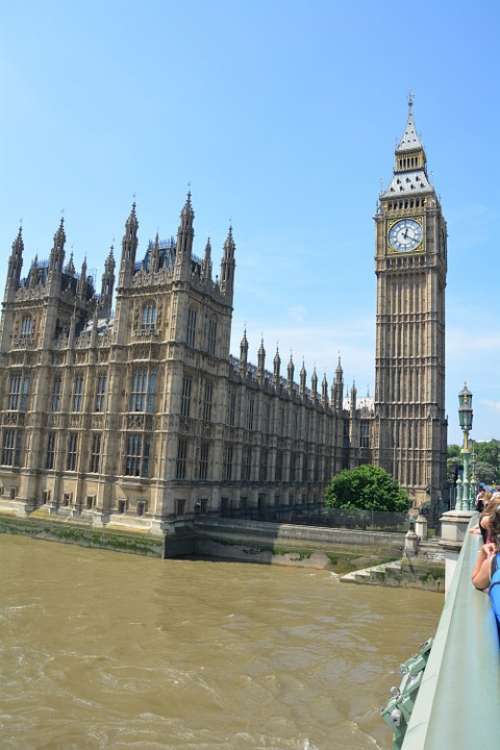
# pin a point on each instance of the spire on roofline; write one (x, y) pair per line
(410, 140)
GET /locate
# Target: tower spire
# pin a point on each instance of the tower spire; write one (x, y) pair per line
(129, 246)
(107, 285)
(244, 353)
(277, 366)
(206, 266)
(290, 372)
(15, 263)
(56, 259)
(303, 377)
(410, 163)
(261, 360)
(228, 265)
(410, 140)
(184, 244)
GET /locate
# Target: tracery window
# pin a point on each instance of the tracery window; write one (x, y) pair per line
(187, 384)
(51, 451)
(232, 408)
(246, 463)
(204, 453)
(55, 399)
(77, 396)
(27, 326)
(212, 336)
(364, 434)
(191, 328)
(137, 455)
(250, 412)
(19, 385)
(227, 469)
(95, 453)
(143, 390)
(100, 392)
(149, 314)
(11, 448)
(72, 452)
(208, 390)
(182, 449)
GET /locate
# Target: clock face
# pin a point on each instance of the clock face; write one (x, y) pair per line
(405, 235)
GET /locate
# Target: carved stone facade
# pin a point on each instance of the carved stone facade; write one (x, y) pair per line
(410, 428)
(143, 418)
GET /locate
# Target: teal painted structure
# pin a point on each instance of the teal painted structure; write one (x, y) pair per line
(458, 701)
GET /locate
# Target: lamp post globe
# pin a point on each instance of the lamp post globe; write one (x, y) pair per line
(465, 414)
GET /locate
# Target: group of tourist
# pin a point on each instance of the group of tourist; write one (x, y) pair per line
(486, 573)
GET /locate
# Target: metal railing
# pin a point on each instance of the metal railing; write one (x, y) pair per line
(457, 702)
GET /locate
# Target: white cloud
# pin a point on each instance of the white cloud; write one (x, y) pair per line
(491, 404)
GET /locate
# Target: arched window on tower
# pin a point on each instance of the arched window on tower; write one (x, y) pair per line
(148, 316)
(27, 326)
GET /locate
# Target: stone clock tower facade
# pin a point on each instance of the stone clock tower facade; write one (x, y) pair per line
(409, 427)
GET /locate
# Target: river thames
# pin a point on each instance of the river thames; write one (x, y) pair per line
(106, 650)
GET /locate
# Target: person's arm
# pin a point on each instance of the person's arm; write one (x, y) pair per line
(482, 568)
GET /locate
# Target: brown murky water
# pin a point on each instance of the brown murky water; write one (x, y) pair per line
(105, 650)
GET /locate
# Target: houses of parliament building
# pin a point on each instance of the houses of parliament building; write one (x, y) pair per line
(141, 417)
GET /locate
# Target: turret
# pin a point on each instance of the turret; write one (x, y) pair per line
(33, 273)
(81, 287)
(244, 353)
(93, 332)
(338, 387)
(184, 245)
(354, 394)
(129, 248)
(324, 391)
(56, 258)
(15, 265)
(107, 285)
(261, 361)
(206, 265)
(154, 258)
(314, 385)
(227, 266)
(290, 371)
(72, 328)
(303, 380)
(276, 367)
(70, 266)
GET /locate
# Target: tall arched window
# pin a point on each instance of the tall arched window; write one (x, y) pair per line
(149, 315)
(27, 326)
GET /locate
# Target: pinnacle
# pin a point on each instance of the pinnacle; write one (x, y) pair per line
(410, 139)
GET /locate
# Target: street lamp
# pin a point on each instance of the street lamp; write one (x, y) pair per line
(465, 488)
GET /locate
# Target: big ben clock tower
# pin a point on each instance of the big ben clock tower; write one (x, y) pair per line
(410, 427)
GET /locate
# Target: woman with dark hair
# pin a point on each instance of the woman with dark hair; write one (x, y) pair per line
(486, 573)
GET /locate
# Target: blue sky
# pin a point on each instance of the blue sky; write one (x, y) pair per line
(283, 116)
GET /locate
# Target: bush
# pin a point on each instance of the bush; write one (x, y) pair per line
(367, 488)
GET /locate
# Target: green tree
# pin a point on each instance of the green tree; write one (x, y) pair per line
(485, 472)
(368, 488)
(455, 451)
(488, 452)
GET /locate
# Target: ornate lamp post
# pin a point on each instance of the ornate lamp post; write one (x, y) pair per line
(465, 488)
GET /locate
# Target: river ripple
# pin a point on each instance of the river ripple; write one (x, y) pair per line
(106, 650)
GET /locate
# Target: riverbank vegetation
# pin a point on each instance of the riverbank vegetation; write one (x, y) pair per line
(366, 487)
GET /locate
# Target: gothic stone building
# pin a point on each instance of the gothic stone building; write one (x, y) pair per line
(142, 417)
(410, 429)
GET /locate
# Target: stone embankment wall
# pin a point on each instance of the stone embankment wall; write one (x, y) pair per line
(83, 535)
(293, 544)
(321, 548)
